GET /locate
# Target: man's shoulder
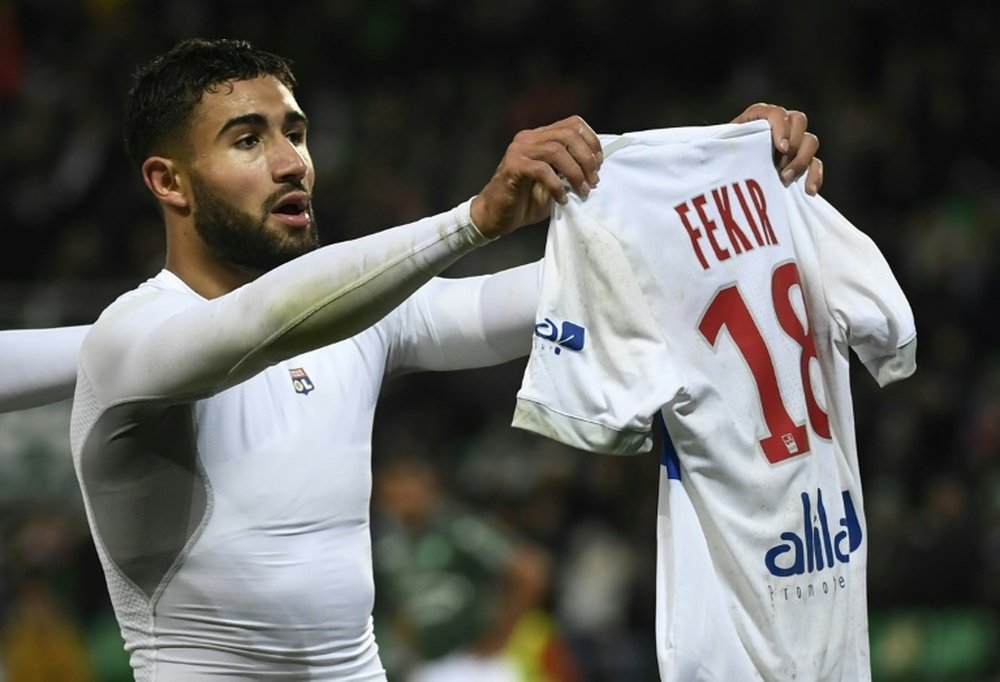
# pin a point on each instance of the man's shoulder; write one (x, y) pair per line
(138, 309)
(164, 288)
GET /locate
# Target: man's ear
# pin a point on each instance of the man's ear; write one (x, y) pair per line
(163, 178)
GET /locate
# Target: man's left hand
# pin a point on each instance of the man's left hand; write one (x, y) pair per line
(795, 148)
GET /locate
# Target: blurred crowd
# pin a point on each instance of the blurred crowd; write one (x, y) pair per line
(412, 103)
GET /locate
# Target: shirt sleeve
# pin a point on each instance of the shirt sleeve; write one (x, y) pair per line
(156, 344)
(38, 366)
(593, 380)
(862, 294)
(467, 322)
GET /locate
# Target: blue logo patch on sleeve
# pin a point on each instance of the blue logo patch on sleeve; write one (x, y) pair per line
(568, 335)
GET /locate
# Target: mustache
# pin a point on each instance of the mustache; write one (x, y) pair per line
(287, 187)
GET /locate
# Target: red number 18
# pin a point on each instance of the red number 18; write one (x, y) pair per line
(728, 309)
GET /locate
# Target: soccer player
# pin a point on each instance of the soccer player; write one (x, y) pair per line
(222, 416)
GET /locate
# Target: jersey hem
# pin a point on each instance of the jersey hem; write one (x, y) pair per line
(578, 433)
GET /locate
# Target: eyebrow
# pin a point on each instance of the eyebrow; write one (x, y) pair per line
(255, 119)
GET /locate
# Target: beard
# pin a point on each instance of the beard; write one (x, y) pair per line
(244, 240)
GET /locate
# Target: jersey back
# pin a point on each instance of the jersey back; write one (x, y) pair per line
(693, 285)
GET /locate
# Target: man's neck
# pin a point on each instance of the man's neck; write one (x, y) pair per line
(206, 275)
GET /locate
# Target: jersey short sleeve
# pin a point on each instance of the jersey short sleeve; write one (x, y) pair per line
(860, 291)
(588, 381)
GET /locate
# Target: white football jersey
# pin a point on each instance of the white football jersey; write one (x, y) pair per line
(693, 287)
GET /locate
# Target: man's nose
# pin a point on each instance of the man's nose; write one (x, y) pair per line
(290, 162)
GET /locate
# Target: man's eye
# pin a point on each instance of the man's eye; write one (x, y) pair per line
(296, 136)
(247, 142)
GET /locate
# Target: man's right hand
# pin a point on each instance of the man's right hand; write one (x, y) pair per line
(530, 174)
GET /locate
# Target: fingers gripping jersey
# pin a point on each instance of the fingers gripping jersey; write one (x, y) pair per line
(693, 285)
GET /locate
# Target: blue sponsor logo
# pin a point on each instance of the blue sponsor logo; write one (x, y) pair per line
(567, 335)
(816, 547)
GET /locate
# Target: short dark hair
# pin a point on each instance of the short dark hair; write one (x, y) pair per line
(165, 91)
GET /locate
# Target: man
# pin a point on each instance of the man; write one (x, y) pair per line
(222, 419)
(452, 584)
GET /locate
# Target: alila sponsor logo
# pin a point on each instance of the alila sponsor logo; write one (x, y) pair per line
(566, 335)
(815, 546)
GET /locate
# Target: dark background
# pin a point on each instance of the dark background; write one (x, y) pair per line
(412, 104)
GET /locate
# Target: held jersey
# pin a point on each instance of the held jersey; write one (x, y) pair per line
(223, 447)
(693, 287)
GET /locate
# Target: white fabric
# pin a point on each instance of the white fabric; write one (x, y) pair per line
(465, 667)
(38, 366)
(685, 279)
(257, 408)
